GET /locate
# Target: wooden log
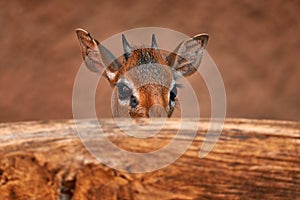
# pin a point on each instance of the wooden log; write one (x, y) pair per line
(253, 159)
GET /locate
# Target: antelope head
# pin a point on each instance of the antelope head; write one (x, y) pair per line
(144, 79)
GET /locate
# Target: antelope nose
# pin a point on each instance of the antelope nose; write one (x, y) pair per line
(157, 111)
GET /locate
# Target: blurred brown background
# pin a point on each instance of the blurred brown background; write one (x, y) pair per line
(256, 45)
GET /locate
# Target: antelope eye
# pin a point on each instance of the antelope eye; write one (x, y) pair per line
(173, 94)
(133, 101)
(124, 91)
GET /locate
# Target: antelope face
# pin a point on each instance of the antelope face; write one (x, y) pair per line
(144, 79)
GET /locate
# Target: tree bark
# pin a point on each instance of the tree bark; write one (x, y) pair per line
(253, 159)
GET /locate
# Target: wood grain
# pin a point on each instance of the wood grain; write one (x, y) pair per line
(253, 159)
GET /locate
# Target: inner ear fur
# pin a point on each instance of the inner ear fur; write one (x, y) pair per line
(187, 56)
(96, 56)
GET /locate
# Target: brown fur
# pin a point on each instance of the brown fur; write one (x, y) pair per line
(153, 76)
(153, 55)
(158, 96)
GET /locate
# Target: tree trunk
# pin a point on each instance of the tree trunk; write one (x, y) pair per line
(253, 159)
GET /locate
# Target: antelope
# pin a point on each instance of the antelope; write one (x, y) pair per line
(143, 79)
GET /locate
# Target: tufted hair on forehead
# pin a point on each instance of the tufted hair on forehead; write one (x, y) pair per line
(142, 57)
(146, 56)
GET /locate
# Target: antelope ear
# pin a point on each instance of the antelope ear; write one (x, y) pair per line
(95, 55)
(186, 58)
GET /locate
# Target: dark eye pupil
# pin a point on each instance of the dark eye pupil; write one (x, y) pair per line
(133, 102)
(173, 94)
(124, 91)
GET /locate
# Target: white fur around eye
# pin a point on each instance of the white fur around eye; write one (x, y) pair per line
(134, 92)
(124, 102)
(110, 75)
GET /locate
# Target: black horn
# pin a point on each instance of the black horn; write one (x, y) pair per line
(153, 43)
(126, 47)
